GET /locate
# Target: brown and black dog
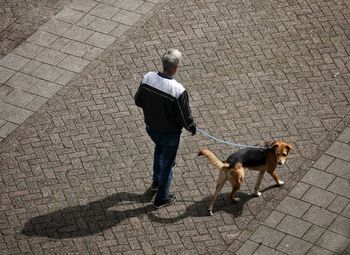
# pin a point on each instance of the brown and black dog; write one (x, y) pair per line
(263, 159)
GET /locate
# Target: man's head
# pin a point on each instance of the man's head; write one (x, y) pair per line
(170, 61)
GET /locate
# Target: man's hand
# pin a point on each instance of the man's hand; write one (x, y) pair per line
(193, 129)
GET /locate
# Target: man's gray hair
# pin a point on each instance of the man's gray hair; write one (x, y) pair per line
(171, 59)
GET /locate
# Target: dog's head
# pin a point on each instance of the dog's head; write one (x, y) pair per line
(281, 150)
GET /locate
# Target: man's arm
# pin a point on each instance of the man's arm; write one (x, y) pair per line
(137, 97)
(185, 112)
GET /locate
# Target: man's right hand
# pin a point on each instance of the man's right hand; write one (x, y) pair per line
(193, 129)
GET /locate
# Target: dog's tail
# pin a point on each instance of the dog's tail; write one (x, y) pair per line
(213, 159)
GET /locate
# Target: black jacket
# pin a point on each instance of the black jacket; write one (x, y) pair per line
(165, 104)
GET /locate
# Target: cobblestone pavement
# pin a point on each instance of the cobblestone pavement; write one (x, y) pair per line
(19, 19)
(314, 217)
(74, 174)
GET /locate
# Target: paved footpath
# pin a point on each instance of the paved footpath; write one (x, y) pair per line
(75, 160)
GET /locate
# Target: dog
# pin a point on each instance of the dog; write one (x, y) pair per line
(264, 159)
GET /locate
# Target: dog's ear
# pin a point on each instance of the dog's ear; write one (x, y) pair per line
(289, 147)
(274, 145)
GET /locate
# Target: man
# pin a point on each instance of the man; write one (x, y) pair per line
(166, 111)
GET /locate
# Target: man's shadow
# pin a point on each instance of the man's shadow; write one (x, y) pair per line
(95, 217)
(89, 219)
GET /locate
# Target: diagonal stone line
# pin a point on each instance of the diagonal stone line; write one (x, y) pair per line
(61, 48)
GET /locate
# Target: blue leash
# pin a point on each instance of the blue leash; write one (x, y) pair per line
(228, 143)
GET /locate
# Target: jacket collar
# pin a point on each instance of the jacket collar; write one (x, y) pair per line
(165, 76)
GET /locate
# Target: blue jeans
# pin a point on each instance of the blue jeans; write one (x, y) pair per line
(164, 159)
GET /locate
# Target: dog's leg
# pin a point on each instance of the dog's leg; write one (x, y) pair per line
(233, 192)
(257, 184)
(276, 178)
(236, 180)
(220, 183)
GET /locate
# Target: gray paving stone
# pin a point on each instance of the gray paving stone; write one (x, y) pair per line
(313, 233)
(340, 186)
(28, 50)
(82, 5)
(69, 15)
(93, 53)
(293, 226)
(74, 64)
(31, 67)
(5, 90)
(42, 38)
(22, 81)
(333, 241)
(45, 88)
(36, 103)
(55, 26)
(2, 122)
(7, 129)
(274, 218)
(126, 17)
(293, 206)
(128, 5)
(86, 20)
(76, 48)
(319, 197)
(104, 11)
(299, 190)
(319, 216)
(5, 74)
(2, 106)
(338, 204)
(49, 56)
(48, 72)
(18, 98)
(340, 167)
(346, 211)
(100, 40)
(59, 43)
(14, 114)
(339, 150)
(65, 78)
(315, 250)
(294, 246)
(345, 136)
(145, 8)
(119, 30)
(267, 236)
(102, 25)
(13, 61)
(247, 248)
(318, 178)
(323, 162)
(341, 226)
(78, 34)
(264, 250)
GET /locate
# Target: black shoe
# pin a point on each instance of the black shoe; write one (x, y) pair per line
(154, 186)
(169, 201)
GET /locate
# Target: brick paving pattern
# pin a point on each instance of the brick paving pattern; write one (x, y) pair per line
(62, 47)
(314, 217)
(74, 174)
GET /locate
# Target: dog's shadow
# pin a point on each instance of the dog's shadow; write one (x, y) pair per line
(97, 216)
(200, 208)
(223, 203)
(89, 219)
